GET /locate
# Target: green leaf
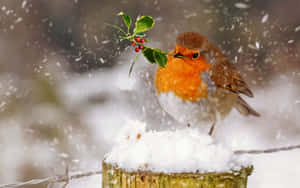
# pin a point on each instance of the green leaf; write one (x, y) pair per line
(148, 53)
(126, 19)
(143, 23)
(116, 27)
(122, 38)
(141, 35)
(160, 58)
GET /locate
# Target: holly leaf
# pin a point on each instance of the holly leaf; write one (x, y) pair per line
(126, 19)
(141, 35)
(148, 53)
(143, 23)
(160, 58)
(122, 38)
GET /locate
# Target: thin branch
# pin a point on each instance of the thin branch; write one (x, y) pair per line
(67, 174)
(117, 28)
(272, 150)
(52, 180)
(65, 185)
(133, 63)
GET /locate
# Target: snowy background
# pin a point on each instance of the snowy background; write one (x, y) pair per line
(65, 90)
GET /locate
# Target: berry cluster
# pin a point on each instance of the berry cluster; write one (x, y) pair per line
(138, 44)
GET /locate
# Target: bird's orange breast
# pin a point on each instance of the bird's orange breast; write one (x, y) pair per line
(182, 76)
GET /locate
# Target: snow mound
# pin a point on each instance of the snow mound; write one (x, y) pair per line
(178, 151)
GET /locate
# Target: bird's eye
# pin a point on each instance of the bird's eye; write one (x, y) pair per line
(195, 55)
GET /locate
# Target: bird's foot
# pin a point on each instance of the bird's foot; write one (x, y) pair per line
(211, 130)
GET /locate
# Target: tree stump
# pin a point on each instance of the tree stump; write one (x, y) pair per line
(114, 177)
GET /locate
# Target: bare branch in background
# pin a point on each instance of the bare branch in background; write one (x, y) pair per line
(54, 179)
(272, 150)
(67, 174)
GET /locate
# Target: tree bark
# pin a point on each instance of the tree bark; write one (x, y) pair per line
(113, 177)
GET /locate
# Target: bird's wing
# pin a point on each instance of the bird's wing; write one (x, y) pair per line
(225, 75)
(244, 108)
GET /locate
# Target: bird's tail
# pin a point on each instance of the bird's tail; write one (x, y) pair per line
(244, 108)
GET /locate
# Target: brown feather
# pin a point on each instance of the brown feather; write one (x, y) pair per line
(223, 73)
(226, 76)
(191, 40)
(244, 108)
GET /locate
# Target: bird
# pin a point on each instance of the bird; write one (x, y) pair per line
(198, 85)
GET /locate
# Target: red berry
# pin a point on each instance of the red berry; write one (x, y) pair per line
(137, 49)
(141, 47)
(133, 44)
(137, 39)
(142, 40)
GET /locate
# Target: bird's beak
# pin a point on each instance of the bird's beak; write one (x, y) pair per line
(178, 55)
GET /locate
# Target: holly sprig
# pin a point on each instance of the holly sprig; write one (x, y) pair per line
(138, 39)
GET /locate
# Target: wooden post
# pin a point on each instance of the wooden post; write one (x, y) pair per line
(113, 177)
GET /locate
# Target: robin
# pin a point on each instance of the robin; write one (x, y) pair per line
(199, 85)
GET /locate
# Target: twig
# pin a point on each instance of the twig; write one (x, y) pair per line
(65, 185)
(67, 174)
(133, 63)
(272, 150)
(211, 130)
(117, 28)
(52, 180)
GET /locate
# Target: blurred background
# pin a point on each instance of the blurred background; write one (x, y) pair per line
(65, 90)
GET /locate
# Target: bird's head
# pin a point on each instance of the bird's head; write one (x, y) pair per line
(182, 72)
(191, 45)
(189, 53)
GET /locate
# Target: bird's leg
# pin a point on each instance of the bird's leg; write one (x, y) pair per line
(211, 130)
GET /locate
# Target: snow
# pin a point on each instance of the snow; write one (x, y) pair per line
(236, 131)
(241, 5)
(86, 182)
(254, 47)
(275, 170)
(257, 45)
(24, 3)
(278, 102)
(18, 20)
(184, 150)
(265, 18)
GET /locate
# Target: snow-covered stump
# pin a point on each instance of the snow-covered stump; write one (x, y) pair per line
(172, 159)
